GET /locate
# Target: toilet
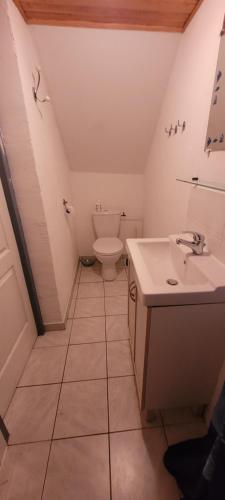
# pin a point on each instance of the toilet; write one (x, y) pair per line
(108, 247)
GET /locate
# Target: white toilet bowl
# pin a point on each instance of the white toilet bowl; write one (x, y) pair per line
(108, 251)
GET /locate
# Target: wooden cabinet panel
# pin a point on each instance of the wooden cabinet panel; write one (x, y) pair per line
(132, 292)
(186, 353)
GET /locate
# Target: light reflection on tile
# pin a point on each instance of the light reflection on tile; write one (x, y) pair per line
(86, 330)
(45, 366)
(117, 327)
(90, 290)
(31, 414)
(85, 308)
(115, 288)
(137, 468)
(78, 468)
(124, 412)
(23, 472)
(82, 409)
(119, 358)
(89, 275)
(116, 305)
(86, 362)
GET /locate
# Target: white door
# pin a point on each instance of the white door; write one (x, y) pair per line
(17, 327)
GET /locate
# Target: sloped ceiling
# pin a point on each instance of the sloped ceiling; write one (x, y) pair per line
(107, 87)
(155, 15)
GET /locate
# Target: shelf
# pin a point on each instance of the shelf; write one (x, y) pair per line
(204, 184)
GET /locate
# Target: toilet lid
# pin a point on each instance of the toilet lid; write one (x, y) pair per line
(108, 246)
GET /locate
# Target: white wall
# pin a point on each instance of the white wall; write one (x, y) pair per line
(15, 130)
(116, 191)
(48, 163)
(107, 87)
(171, 206)
(188, 97)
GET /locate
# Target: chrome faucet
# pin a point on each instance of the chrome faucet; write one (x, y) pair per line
(196, 245)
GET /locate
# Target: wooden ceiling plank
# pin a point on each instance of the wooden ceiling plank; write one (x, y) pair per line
(119, 16)
(160, 6)
(172, 15)
(83, 24)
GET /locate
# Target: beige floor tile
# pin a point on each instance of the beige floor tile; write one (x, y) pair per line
(31, 414)
(78, 469)
(85, 308)
(55, 338)
(86, 330)
(116, 305)
(182, 432)
(86, 362)
(22, 475)
(45, 366)
(72, 308)
(119, 358)
(117, 327)
(87, 290)
(115, 288)
(138, 472)
(82, 409)
(124, 412)
(121, 275)
(91, 275)
(174, 416)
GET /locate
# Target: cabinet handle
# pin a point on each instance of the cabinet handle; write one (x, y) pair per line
(132, 291)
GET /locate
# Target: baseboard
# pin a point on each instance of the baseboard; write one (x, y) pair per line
(50, 327)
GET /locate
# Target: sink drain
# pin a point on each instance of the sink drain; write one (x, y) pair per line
(172, 282)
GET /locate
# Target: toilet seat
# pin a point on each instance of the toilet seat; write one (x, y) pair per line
(108, 246)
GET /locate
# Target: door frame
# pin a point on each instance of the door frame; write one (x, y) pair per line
(11, 202)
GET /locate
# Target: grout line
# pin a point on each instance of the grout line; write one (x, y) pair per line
(164, 428)
(118, 431)
(107, 374)
(82, 380)
(57, 406)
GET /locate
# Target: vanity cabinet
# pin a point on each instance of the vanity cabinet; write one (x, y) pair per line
(177, 351)
(138, 326)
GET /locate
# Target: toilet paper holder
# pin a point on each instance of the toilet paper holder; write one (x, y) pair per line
(67, 207)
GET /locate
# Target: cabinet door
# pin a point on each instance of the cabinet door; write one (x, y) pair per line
(186, 352)
(141, 348)
(132, 292)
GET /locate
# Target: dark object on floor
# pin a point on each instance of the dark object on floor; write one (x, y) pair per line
(198, 465)
(87, 261)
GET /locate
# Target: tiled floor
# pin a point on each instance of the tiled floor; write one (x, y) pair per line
(74, 421)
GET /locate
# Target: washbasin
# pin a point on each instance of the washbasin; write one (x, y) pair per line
(170, 274)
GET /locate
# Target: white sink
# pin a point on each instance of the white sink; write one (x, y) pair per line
(200, 278)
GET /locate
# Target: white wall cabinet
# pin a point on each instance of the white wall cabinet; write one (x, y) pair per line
(178, 351)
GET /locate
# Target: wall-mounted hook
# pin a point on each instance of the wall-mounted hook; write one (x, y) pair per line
(181, 125)
(168, 132)
(66, 206)
(35, 87)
